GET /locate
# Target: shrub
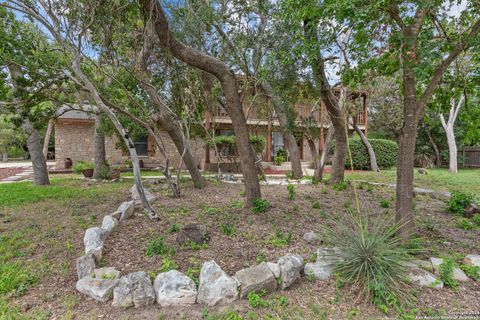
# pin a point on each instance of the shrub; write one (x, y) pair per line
(260, 205)
(465, 224)
(291, 191)
(167, 265)
(104, 171)
(16, 152)
(174, 228)
(227, 229)
(156, 247)
(385, 150)
(446, 273)
(280, 157)
(384, 203)
(472, 272)
(371, 258)
(316, 205)
(340, 186)
(255, 300)
(459, 201)
(81, 165)
(476, 219)
(258, 143)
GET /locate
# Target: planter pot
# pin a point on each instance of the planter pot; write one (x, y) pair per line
(88, 173)
(114, 174)
(68, 163)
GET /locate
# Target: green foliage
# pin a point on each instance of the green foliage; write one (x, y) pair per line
(476, 219)
(104, 171)
(459, 201)
(255, 299)
(260, 206)
(316, 205)
(471, 271)
(258, 143)
(261, 257)
(465, 224)
(167, 265)
(340, 186)
(384, 203)
(280, 157)
(156, 247)
(174, 227)
(228, 229)
(280, 239)
(446, 273)
(291, 191)
(371, 258)
(81, 165)
(385, 151)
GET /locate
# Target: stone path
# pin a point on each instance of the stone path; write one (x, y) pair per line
(26, 174)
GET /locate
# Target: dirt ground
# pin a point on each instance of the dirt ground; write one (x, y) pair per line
(59, 241)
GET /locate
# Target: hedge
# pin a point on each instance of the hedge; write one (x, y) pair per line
(385, 150)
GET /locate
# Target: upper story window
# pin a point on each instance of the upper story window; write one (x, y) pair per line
(141, 145)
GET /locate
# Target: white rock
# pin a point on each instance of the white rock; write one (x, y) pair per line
(274, 268)
(472, 259)
(311, 237)
(98, 289)
(134, 289)
(93, 242)
(319, 271)
(106, 273)
(109, 223)
(290, 267)
(85, 266)
(173, 288)
(125, 210)
(424, 278)
(256, 279)
(216, 287)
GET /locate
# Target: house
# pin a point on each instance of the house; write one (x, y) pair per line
(74, 131)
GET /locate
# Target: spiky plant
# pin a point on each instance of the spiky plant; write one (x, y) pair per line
(370, 256)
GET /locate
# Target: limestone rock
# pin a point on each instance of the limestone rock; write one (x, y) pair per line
(195, 232)
(216, 287)
(319, 271)
(256, 278)
(471, 210)
(125, 210)
(290, 266)
(98, 289)
(472, 259)
(274, 268)
(85, 266)
(134, 289)
(173, 288)
(109, 223)
(458, 273)
(424, 278)
(93, 242)
(106, 273)
(311, 237)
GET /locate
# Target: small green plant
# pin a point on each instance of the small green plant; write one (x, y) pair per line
(280, 157)
(107, 276)
(255, 299)
(81, 166)
(260, 205)
(262, 177)
(314, 181)
(228, 229)
(289, 174)
(446, 273)
(291, 191)
(471, 271)
(195, 246)
(465, 224)
(261, 257)
(156, 247)
(237, 204)
(175, 227)
(167, 265)
(282, 301)
(476, 219)
(384, 203)
(193, 274)
(459, 201)
(310, 277)
(340, 186)
(369, 187)
(280, 239)
(104, 171)
(316, 205)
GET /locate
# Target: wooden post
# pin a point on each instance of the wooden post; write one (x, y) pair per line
(269, 142)
(365, 114)
(208, 117)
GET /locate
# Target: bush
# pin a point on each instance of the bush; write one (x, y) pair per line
(385, 150)
(280, 157)
(16, 152)
(446, 273)
(465, 224)
(459, 201)
(260, 205)
(81, 165)
(291, 191)
(476, 219)
(156, 247)
(370, 257)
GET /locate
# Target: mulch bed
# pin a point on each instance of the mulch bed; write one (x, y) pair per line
(8, 172)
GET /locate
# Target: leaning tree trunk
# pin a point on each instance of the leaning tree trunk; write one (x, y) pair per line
(290, 141)
(438, 160)
(323, 156)
(366, 143)
(46, 141)
(452, 150)
(153, 10)
(99, 154)
(4, 156)
(34, 145)
(316, 158)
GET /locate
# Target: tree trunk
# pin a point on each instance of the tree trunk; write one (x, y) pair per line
(225, 75)
(316, 158)
(4, 156)
(46, 141)
(438, 160)
(39, 164)
(291, 142)
(366, 143)
(452, 150)
(99, 154)
(326, 149)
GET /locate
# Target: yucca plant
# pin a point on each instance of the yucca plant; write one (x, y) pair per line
(369, 256)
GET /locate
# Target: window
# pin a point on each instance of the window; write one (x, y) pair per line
(141, 145)
(277, 143)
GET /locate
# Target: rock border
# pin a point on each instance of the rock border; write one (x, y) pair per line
(216, 287)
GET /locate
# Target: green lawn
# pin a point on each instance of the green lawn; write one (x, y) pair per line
(466, 180)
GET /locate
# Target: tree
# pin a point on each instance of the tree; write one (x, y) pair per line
(7, 134)
(153, 11)
(448, 127)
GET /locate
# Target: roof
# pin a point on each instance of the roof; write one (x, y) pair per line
(77, 112)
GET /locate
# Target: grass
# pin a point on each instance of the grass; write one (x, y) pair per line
(466, 180)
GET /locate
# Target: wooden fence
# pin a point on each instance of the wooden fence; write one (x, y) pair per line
(470, 157)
